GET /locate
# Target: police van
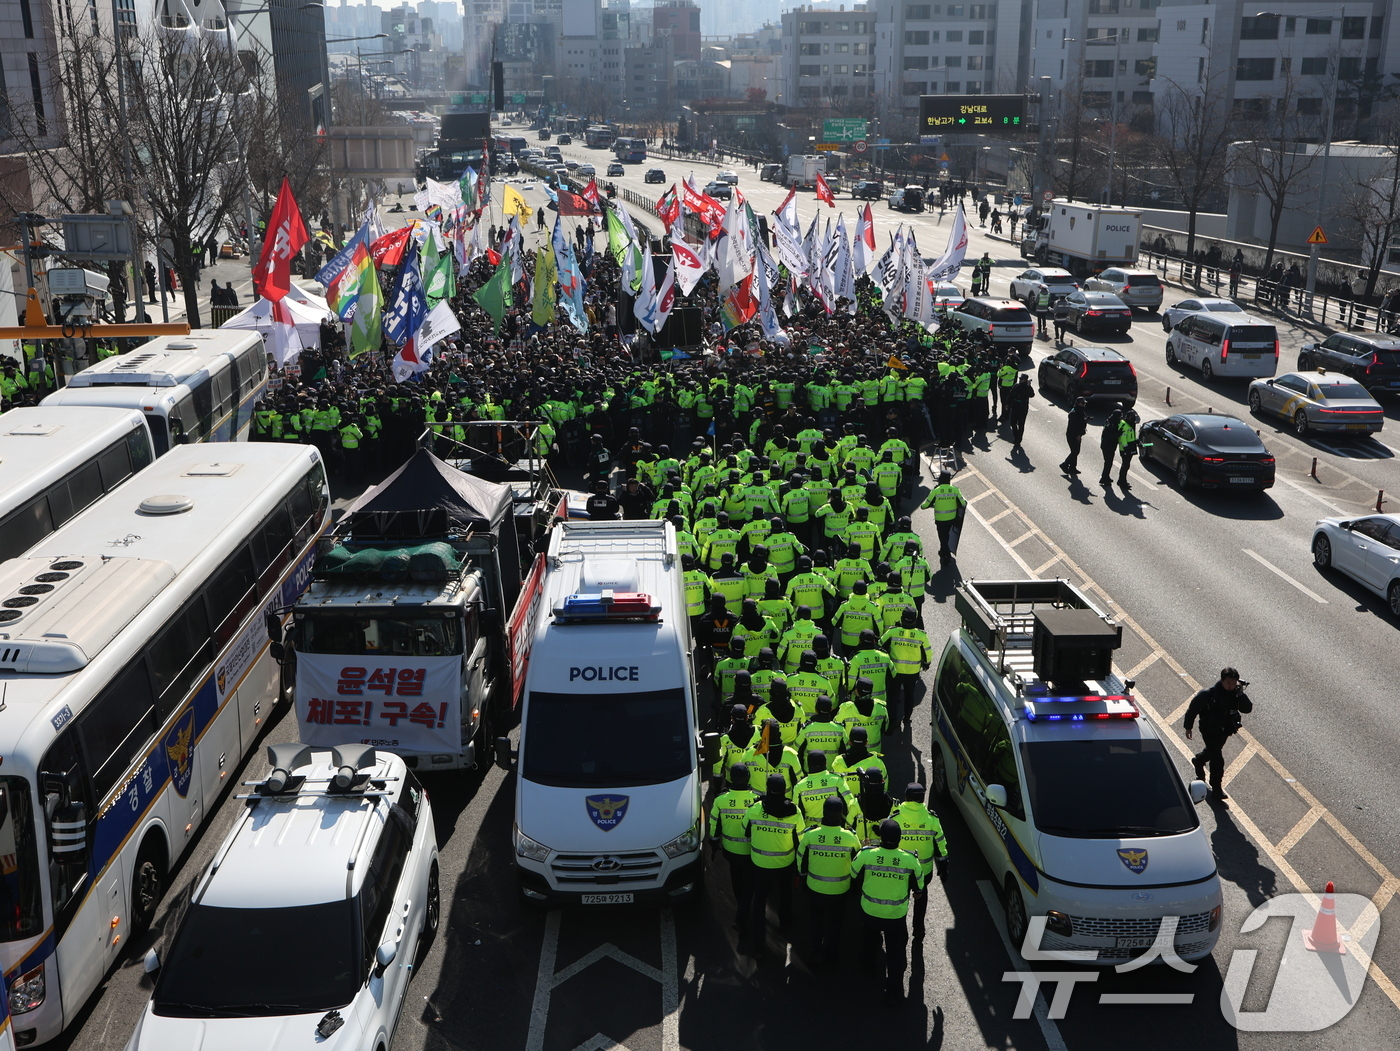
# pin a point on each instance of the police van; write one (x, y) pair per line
(1065, 783)
(607, 805)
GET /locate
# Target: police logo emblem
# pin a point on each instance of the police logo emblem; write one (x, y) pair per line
(607, 812)
(963, 771)
(179, 750)
(1135, 860)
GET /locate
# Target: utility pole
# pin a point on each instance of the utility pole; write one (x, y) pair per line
(1044, 170)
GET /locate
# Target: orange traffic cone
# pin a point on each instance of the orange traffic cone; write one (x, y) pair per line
(1323, 936)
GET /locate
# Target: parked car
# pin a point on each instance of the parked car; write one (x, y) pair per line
(1095, 311)
(1093, 373)
(1367, 549)
(1209, 450)
(616, 168)
(1172, 316)
(720, 191)
(654, 175)
(1372, 360)
(1318, 401)
(1225, 345)
(1140, 289)
(771, 173)
(1025, 286)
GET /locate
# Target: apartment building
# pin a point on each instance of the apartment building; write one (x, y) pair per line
(827, 56)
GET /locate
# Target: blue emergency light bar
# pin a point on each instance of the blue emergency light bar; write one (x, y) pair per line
(608, 605)
(1081, 709)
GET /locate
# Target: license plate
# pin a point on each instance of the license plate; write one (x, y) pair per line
(1111, 383)
(1358, 426)
(1142, 942)
(1241, 481)
(607, 899)
(1250, 357)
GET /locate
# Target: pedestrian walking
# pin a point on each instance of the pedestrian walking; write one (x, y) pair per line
(1108, 442)
(1061, 312)
(1018, 404)
(727, 833)
(922, 836)
(1218, 710)
(949, 505)
(1075, 427)
(771, 826)
(887, 877)
(825, 854)
(1042, 311)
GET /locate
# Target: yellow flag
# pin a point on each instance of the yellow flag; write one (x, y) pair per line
(895, 363)
(515, 204)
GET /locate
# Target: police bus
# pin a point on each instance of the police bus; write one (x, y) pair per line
(135, 674)
(55, 462)
(630, 151)
(607, 803)
(196, 388)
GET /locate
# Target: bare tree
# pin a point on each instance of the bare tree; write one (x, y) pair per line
(1274, 162)
(282, 142)
(1372, 205)
(1192, 148)
(1078, 165)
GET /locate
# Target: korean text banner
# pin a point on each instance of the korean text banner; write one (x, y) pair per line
(408, 705)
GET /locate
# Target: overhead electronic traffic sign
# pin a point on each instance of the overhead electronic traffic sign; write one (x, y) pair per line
(1003, 115)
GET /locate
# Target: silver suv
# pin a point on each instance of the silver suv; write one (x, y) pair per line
(1140, 289)
(1008, 322)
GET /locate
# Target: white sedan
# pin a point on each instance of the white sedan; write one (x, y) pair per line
(1366, 549)
(1177, 311)
(947, 296)
(732, 178)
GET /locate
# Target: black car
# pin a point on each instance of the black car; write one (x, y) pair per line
(1095, 373)
(1100, 311)
(867, 190)
(1372, 360)
(771, 173)
(1209, 450)
(565, 140)
(654, 175)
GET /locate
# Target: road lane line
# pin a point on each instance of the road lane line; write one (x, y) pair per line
(1142, 665)
(1023, 537)
(1042, 568)
(1308, 492)
(1048, 1029)
(1298, 831)
(1237, 764)
(544, 983)
(998, 516)
(1389, 882)
(1284, 576)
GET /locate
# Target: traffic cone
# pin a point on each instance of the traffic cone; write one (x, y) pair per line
(1323, 936)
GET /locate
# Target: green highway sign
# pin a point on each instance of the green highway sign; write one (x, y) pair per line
(518, 99)
(843, 129)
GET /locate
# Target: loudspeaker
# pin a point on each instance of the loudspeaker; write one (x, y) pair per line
(684, 328)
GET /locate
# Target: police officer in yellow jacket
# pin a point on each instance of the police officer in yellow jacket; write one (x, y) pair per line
(922, 836)
(824, 856)
(812, 792)
(909, 648)
(772, 826)
(727, 833)
(886, 877)
(949, 505)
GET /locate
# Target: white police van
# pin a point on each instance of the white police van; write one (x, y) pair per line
(1066, 785)
(607, 805)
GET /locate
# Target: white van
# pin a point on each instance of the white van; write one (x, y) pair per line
(607, 804)
(1065, 784)
(1225, 345)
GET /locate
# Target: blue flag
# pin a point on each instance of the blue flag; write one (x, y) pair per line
(341, 259)
(409, 304)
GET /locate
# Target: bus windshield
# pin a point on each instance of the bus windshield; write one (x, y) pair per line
(590, 740)
(358, 635)
(21, 908)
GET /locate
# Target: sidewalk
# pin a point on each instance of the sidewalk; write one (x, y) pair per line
(225, 270)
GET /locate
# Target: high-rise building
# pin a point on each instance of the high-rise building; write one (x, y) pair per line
(827, 56)
(680, 20)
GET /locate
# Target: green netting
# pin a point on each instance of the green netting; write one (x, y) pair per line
(432, 561)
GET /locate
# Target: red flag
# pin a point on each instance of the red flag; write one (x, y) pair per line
(571, 203)
(865, 229)
(824, 192)
(668, 206)
(591, 191)
(388, 250)
(792, 192)
(709, 209)
(286, 233)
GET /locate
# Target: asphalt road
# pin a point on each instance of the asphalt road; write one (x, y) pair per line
(1314, 794)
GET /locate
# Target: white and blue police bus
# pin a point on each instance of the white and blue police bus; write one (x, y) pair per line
(55, 462)
(196, 388)
(135, 675)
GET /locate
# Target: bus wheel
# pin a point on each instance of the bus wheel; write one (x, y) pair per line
(147, 884)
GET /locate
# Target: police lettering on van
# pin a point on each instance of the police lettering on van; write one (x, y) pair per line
(620, 673)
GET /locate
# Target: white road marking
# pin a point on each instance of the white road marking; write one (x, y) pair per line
(1308, 492)
(1284, 576)
(548, 979)
(1048, 1029)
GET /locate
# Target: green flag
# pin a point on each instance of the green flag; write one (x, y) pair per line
(546, 288)
(366, 333)
(494, 296)
(439, 275)
(618, 242)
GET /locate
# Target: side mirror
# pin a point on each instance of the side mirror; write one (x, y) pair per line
(996, 795)
(384, 955)
(503, 752)
(1197, 790)
(150, 963)
(273, 623)
(709, 748)
(278, 651)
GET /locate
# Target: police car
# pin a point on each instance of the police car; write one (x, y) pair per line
(607, 804)
(303, 932)
(1066, 785)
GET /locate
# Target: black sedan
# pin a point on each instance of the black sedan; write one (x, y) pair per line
(1093, 373)
(867, 190)
(1209, 450)
(1097, 311)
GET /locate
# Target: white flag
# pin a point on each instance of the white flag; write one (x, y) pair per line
(946, 266)
(644, 306)
(666, 295)
(734, 260)
(864, 246)
(845, 270)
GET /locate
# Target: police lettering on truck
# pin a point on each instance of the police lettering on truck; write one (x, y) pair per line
(607, 807)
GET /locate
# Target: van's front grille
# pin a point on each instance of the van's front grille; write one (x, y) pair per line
(607, 869)
(1137, 927)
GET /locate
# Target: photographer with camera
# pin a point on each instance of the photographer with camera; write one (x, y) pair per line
(1219, 709)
